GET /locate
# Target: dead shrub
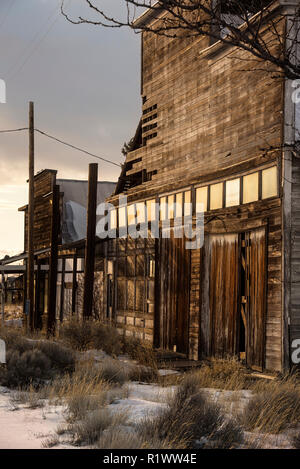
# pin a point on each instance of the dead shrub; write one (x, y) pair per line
(143, 353)
(106, 338)
(113, 372)
(84, 335)
(77, 334)
(32, 361)
(191, 421)
(89, 430)
(143, 374)
(30, 367)
(62, 358)
(274, 409)
(223, 374)
(119, 438)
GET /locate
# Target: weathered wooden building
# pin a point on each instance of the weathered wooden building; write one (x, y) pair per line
(59, 232)
(211, 135)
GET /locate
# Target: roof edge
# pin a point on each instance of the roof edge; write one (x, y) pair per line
(148, 15)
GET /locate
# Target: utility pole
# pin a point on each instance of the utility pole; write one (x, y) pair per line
(89, 258)
(30, 262)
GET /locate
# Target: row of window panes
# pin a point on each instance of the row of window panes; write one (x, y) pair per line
(178, 205)
(233, 193)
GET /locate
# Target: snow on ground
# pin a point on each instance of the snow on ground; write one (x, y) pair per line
(144, 400)
(23, 428)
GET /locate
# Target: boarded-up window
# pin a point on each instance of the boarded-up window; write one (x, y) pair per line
(233, 192)
(201, 199)
(269, 182)
(216, 196)
(121, 294)
(250, 188)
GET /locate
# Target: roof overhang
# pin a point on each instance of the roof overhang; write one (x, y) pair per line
(149, 15)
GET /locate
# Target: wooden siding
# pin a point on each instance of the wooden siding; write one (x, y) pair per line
(43, 185)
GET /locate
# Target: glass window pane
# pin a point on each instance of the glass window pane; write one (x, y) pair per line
(250, 188)
(122, 216)
(233, 192)
(163, 206)
(171, 206)
(151, 210)
(216, 196)
(140, 212)
(187, 203)
(178, 206)
(269, 182)
(113, 219)
(201, 199)
(131, 214)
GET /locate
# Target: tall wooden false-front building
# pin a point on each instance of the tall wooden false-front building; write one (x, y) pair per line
(214, 135)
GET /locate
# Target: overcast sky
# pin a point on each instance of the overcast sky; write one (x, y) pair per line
(84, 81)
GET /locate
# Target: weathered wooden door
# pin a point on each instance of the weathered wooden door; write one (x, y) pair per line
(237, 292)
(256, 261)
(172, 299)
(223, 293)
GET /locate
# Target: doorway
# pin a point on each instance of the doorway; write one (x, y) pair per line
(236, 297)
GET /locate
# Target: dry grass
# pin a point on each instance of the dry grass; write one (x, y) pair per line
(50, 442)
(84, 335)
(143, 353)
(223, 374)
(119, 438)
(90, 429)
(275, 407)
(190, 421)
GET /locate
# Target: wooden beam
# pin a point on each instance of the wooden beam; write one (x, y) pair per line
(53, 262)
(62, 290)
(89, 261)
(37, 313)
(74, 284)
(30, 263)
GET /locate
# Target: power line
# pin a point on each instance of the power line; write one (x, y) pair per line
(77, 148)
(63, 143)
(13, 130)
(7, 13)
(35, 42)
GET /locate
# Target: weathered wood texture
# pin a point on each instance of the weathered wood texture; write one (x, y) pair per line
(250, 218)
(211, 115)
(134, 285)
(173, 293)
(43, 185)
(295, 252)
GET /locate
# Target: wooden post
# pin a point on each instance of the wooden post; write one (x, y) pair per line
(2, 297)
(30, 263)
(74, 284)
(37, 313)
(89, 260)
(53, 262)
(62, 290)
